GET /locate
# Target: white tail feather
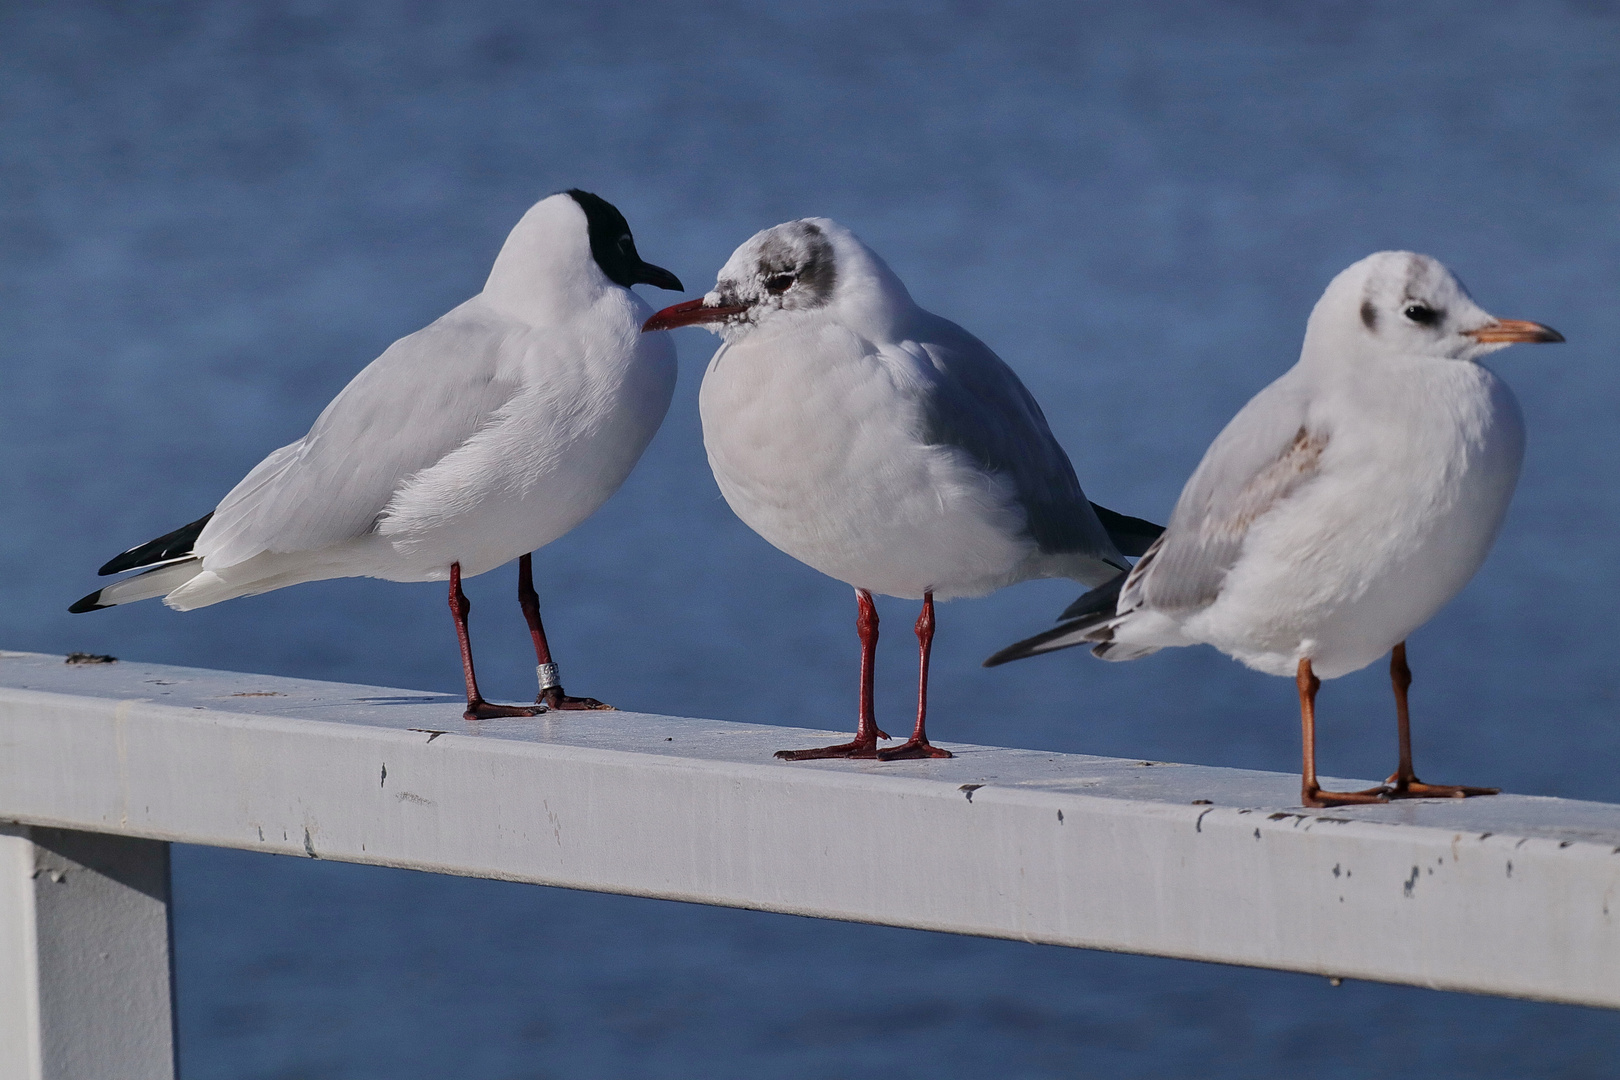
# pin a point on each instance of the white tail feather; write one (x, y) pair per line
(152, 583)
(264, 572)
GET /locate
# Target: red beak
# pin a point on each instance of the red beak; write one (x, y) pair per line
(691, 313)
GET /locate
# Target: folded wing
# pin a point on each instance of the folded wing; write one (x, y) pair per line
(421, 399)
(1267, 451)
(973, 401)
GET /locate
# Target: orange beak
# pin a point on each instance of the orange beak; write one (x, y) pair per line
(1508, 331)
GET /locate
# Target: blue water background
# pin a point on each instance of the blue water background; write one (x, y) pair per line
(212, 215)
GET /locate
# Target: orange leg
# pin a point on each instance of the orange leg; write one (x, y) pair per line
(918, 745)
(1405, 784)
(866, 729)
(551, 691)
(477, 707)
(1310, 792)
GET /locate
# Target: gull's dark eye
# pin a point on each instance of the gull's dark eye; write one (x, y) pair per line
(1422, 314)
(777, 284)
(626, 244)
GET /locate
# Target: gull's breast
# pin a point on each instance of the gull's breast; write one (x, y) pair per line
(1404, 511)
(815, 447)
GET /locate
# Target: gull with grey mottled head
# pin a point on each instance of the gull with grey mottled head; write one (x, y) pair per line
(883, 445)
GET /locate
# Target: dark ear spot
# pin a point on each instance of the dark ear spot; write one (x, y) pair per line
(806, 260)
(1369, 315)
(820, 272)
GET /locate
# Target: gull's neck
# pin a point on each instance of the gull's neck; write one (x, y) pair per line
(545, 273)
(870, 298)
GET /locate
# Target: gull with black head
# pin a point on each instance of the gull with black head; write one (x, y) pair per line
(883, 445)
(479, 438)
(1340, 509)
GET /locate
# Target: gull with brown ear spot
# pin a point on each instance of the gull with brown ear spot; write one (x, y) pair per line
(1339, 510)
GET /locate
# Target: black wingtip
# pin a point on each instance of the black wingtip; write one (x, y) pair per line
(1032, 646)
(1101, 601)
(996, 659)
(88, 603)
(1095, 607)
(169, 546)
(1131, 535)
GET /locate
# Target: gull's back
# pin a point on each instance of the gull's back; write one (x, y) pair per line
(972, 400)
(426, 395)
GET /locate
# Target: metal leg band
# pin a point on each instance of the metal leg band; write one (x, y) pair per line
(548, 676)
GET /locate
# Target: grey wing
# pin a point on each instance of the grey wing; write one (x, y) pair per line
(1263, 453)
(975, 402)
(423, 397)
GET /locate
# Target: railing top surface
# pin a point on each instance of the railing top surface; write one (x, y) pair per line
(1069, 849)
(232, 699)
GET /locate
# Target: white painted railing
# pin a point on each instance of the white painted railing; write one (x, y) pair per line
(101, 764)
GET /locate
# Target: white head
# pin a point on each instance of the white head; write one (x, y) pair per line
(1399, 303)
(565, 248)
(812, 267)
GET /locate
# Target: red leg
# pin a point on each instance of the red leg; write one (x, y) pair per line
(1405, 784)
(1310, 792)
(477, 707)
(551, 691)
(918, 745)
(866, 730)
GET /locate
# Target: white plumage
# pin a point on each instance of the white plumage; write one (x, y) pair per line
(479, 438)
(1346, 503)
(879, 443)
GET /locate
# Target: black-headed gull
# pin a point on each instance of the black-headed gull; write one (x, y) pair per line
(1340, 509)
(479, 438)
(883, 445)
